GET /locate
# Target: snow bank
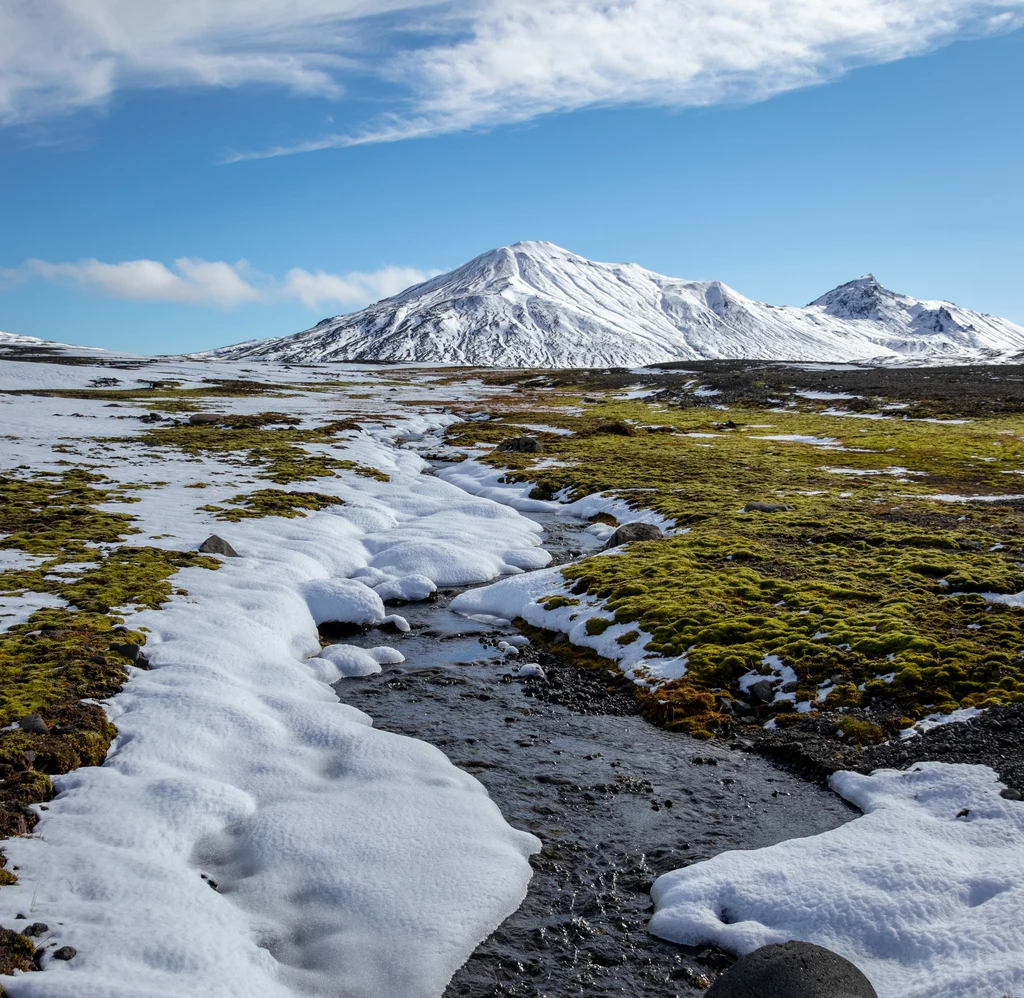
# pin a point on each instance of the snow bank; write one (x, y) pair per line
(514, 597)
(348, 861)
(482, 480)
(925, 892)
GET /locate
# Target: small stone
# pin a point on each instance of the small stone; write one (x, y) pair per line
(217, 545)
(65, 953)
(205, 418)
(524, 445)
(791, 687)
(792, 970)
(634, 532)
(619, 428)
(35, 929)
(34, 725)
(763, 690)
(1010, 794)
(766, 507)
(129, 649)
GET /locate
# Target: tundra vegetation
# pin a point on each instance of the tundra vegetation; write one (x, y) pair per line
(870, 583)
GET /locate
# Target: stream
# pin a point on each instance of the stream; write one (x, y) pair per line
(615, 800)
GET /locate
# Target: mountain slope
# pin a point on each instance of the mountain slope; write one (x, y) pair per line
(533, 304)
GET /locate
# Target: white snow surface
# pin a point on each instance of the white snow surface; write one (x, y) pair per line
(534, 304)
(349, 861)
(924, 893)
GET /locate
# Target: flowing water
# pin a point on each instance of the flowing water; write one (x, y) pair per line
(615, 800)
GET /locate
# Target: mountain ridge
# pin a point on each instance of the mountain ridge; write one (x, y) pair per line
(534, 304)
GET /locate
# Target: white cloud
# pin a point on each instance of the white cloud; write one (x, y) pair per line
(315, 289)
(196, 282)
(467, 63)
(204, 282)
(58, 55)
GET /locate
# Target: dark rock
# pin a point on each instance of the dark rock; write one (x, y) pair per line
(65, 953)
(217, 545)
(129, 649)
(619, 428)
(765, 507)
(205, 418)
(98, 659)
(35, 929)
(1010, 794)
(792, 970)
(791, 687)
(525, 445)
(763, 690)
(151, 417)
(634, 532)
(34, 725)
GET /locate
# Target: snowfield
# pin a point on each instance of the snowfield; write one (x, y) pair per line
(534, 304)
(249, 835)
(348, 861)
(924, 893)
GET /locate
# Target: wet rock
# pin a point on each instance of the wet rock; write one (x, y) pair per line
(34, 725)
(763, 690)
(766, 507)
(65, 953)
(634, 532)
(205, 418)
(524, 445)
(792, 970)
(217, 545)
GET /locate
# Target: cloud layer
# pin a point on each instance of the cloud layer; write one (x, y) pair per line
(466, 63)
(225, 285)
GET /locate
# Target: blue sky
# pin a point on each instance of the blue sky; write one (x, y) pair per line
(782, 160)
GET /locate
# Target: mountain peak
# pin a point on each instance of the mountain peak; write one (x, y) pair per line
(535, 304)
(863, 298)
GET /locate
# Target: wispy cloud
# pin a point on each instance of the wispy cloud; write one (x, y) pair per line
(464, 64)
(219, 284)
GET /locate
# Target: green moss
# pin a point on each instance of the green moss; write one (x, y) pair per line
(51, 514)
(597, 625)
(279, 454)
(273, 502)
(62, 656)
(860, 732)
(865, 575)
(557, 602)
(17, 953)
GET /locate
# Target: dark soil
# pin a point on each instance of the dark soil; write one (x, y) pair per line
(995, 739)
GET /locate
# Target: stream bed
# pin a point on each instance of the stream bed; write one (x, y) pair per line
(615, 800)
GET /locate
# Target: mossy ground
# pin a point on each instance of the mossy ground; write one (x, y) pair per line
(62, 656)
(865, 577)
(271, 502)
(278, 454)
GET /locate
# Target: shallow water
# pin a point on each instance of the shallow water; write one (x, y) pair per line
(615, 800)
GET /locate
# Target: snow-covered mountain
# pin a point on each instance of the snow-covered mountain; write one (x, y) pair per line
(534, 304)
